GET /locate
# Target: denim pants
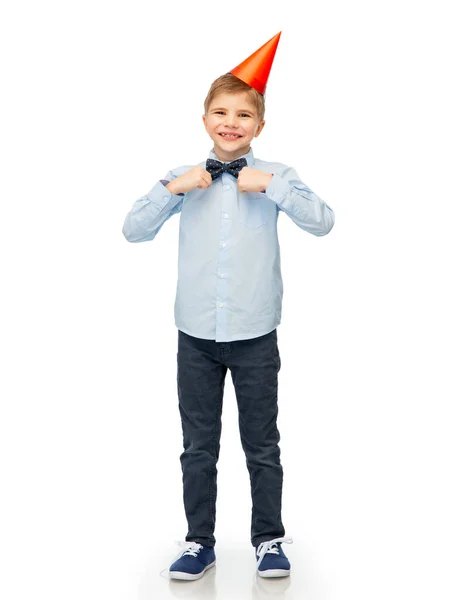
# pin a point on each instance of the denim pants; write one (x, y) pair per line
(201, 370)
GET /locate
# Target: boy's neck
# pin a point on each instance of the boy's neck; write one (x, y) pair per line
(230, 156)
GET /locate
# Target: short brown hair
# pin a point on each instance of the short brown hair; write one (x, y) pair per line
(231, 84)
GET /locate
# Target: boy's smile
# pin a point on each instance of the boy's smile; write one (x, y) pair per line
(232, 123)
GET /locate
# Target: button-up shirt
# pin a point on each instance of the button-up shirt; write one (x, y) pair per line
(229, 277)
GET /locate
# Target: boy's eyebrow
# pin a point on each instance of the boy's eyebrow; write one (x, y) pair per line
(247, 110)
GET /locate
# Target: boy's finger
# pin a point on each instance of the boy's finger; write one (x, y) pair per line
(206, 179)
(206, 176)
(203, 184)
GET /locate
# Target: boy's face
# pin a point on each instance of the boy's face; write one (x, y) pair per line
(232, 123)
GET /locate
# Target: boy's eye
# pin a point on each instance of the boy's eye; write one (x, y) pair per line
(244, 115)
(219, 112)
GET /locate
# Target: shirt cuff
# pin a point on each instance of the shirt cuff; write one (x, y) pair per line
(165, 183)
(277, 189)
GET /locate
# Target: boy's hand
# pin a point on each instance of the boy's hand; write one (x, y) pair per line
(252, 180)
(197, 177)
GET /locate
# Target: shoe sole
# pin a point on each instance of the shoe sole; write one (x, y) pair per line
(190, 576)
(274, 573)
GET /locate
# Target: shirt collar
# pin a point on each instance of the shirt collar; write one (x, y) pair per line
(249, 157)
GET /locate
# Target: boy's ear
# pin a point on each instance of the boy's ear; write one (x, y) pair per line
(204, 119)
(259, 128)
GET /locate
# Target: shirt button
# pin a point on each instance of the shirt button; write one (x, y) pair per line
(226, 216)
(224, 245)
(227, 187)
(221, 275)
(220, 304)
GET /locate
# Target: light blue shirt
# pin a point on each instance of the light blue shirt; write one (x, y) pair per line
(229, 278)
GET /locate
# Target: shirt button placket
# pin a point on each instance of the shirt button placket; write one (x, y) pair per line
(223, 259)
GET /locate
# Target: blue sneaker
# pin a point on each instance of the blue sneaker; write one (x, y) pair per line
(192, 562)
(271, 559)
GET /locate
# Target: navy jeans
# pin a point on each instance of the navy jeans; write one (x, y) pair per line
(201, 370)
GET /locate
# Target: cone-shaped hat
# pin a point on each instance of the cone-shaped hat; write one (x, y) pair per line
(255, 70)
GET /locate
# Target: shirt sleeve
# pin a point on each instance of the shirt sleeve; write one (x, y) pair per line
(149, 213)
(300, 203)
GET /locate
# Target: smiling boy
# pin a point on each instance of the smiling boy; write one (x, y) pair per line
(228, 306)
(232, 119)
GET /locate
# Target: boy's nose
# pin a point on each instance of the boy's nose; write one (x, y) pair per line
(231, 121)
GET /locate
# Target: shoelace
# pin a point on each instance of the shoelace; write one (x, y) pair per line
(188, 549)
(270, 547)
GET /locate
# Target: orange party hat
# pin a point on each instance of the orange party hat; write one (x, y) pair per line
(255, 70)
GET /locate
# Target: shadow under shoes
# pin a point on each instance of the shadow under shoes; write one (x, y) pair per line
(192, 562)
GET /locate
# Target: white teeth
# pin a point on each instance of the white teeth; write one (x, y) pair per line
(229, 135)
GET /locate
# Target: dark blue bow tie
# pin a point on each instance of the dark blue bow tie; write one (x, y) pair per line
(217, 168)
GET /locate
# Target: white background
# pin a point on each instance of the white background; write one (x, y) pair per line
(99, 100)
